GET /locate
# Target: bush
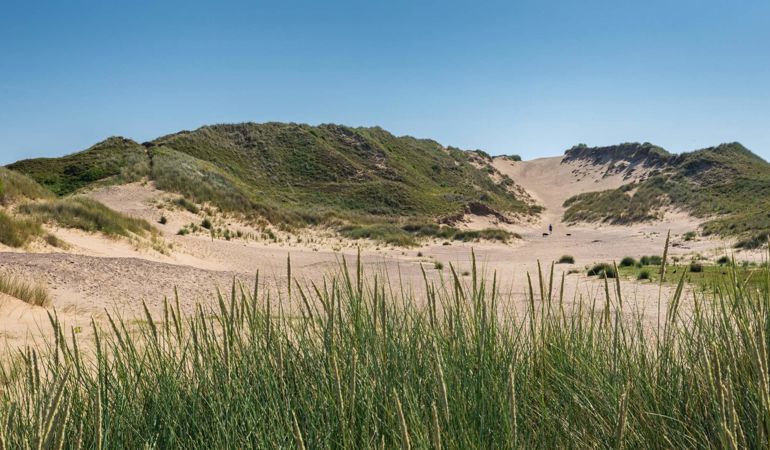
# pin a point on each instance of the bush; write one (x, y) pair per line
(644, 275)
(651, 260)
(33, 293)
(603, 269)
(696, 267)
(438, 265)
(17, 232)
(627, 262)
(206, 223)
(724, 260)
(163, 220)
(690, 235)
(566, 259)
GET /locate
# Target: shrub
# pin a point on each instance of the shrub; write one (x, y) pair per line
(627, 262)
(689, 236)
(567, 259)
(163, 220)
(724, 260)
(643, 275)
(696, 267)
(651, 260)
(206, 223)
(603, 269)
(17, 232)
(33, 293)
(438, 265)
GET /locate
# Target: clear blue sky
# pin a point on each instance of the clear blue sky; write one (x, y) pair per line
(527, 77)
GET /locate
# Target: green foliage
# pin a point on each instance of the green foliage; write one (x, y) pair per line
(757, 240)
(15, 187)
(383, 370)
(438, 265)
(86, 214)
(17, 232)
(653, 260)
(696, 267)
(690, 235)
(296, 175)
(206, 223)
(567, 259)
(187, 205)
(120, 159)
(628, 261)
(727, 181)
(34, 293)
(644, 274)
(409, 234)
(603, 270)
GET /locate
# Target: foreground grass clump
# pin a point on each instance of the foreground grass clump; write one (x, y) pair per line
(348, 364)
(87, 215)
(34, 293)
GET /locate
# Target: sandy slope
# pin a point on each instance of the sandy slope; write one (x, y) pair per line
(99, 274)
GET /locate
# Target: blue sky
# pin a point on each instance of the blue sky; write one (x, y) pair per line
(527, 77)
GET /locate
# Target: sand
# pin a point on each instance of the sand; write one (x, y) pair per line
(98, 275)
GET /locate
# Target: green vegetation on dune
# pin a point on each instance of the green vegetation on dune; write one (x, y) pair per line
(357, 366)
(311, 173)
(15, 187)
(114, 157)
(87, 215)
(16, 231)
(727, 186)
(298, 175)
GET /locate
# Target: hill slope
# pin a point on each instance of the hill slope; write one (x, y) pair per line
(728, 186)
(298, 174)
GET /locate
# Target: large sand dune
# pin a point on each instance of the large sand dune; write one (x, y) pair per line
(98, 275)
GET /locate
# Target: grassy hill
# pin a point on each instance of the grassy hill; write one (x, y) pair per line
(114, 157)
(727, 185)
(297, 174)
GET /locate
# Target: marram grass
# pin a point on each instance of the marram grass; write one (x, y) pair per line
(356, 366)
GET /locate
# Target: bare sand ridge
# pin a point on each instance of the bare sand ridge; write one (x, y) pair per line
(98, 274)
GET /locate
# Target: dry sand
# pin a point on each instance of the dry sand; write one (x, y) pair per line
(98, 274)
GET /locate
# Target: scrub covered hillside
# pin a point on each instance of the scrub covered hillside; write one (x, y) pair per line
(299, 174)
(727, 186)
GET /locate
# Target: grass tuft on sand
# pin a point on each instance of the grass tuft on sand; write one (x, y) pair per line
(34, 293)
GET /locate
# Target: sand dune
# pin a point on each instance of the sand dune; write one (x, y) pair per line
(99, 274)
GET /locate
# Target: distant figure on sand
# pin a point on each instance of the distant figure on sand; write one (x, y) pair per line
(550, 228)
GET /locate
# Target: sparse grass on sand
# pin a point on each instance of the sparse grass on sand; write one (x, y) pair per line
(355, 363)
(34, 293)
(17, 232)
(86, 214)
